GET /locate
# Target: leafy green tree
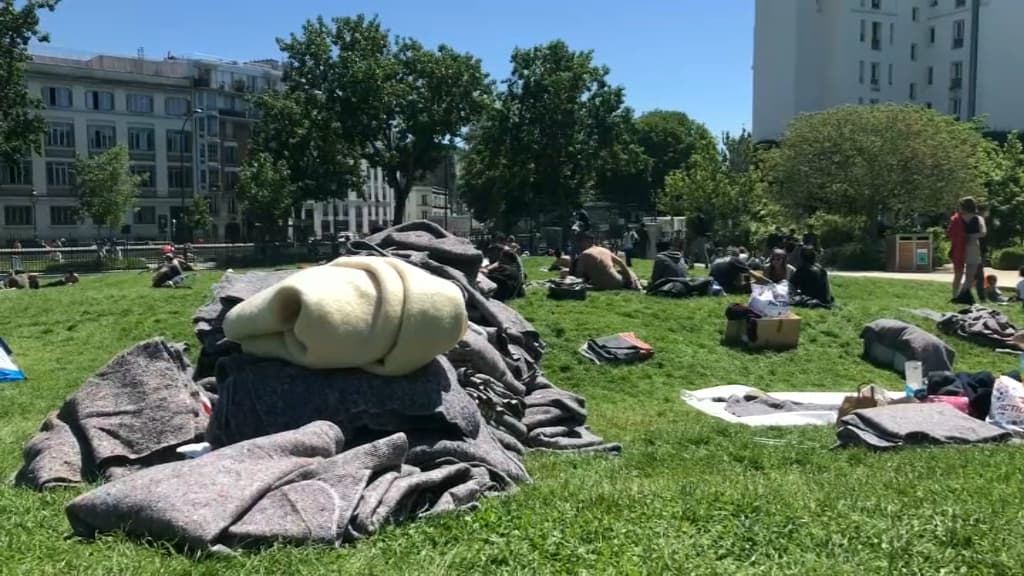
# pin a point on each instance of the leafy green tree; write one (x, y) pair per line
(21, 126)
(670, 139)
(198, 216)
(266, 189)
(106, 186)
(892, 162)
(624, 172)
(399, 104)
(1005, 189)
(544, 145)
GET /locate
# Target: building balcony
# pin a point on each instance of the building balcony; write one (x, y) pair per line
(59, 152)
(146, 192)
(142, 155)
(16, 190)
(956, 83)
(61, 192)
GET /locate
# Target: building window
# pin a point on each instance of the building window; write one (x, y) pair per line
(231, 180)
(914, 13)
(212, 152)
(212, 126)
(231, 155)
(890, 74)
(202, 177)
(58, 174)
(139, 103)
(16, 174)
(931, 75)
(145, 215)
(913, 91)
(928, 105)
(873, 101)
(179, 142)
(102, 101)
(954, 106)
(875, 74)
(148, 174)
(176, 106)
(892, 33)
(876, 4)
(18, 215)
(101, 137)
(141, 139)
(958, 34)
(931, 35)
(860, 73)
(876, 35)
(232, 205)
(60, 135)
(179, 177)
(63, 216)
(863, 32)
(956, 75)
(57, 97)
(960, 3)
(913, 52)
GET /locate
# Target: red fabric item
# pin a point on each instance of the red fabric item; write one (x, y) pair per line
(166, 249)
(961, 403)
(957, 234)
(638, 342)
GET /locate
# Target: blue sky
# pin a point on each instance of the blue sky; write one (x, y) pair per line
(689, 55)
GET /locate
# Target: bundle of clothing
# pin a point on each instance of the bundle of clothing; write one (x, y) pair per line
(896, 425)
(983, 326)
(621, 348)
(974, 387)
(892, 343)
(331, 401)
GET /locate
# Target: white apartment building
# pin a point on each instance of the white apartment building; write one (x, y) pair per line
(957, 56)
(353, 214)
(90, 106)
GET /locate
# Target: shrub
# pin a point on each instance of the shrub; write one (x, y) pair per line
(1009, 259)
(940, 246)
(834, 231)
(856, 256)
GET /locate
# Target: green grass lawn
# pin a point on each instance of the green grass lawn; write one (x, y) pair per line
(689, 495)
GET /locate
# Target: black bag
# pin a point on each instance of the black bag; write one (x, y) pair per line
(567, 290)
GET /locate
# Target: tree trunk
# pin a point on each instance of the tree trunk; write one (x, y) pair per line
(401, 197)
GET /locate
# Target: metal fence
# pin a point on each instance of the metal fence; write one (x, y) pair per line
(138, 257)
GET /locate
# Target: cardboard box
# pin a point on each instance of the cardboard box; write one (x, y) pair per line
(772, 333)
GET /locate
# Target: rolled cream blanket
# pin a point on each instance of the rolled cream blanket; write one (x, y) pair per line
(379, 314)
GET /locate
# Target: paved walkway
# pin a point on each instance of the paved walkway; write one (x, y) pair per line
(1007, 278)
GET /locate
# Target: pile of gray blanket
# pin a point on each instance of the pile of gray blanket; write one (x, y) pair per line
(301, 455)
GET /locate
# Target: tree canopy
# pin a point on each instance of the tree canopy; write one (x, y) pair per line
(872, 162)
(106, 186)
(393, 102)
(266, 189)
(21, 126)
(557, 123)
(670, 139)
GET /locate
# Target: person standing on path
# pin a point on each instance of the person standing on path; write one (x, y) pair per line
(974, 267)
(957, 235)
(629, 241)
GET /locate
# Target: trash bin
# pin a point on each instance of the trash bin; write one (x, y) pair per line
(909, 253)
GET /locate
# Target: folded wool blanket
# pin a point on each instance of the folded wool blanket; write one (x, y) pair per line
(133, 412)
(890, 343)
(429, 238)
(378, 314)
(259, 396)
(897, 425)
(983, 326)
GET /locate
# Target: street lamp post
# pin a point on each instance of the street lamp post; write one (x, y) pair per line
(181, 158)
(35, 227)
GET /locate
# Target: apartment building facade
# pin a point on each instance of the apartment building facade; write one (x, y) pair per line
(956, 56)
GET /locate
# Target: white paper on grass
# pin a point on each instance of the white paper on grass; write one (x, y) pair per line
(1007, 411)
(711, 401)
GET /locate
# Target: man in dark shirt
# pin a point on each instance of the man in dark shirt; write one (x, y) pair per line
(669, 262)
(730, 272)
(811, 238)
(810, 279)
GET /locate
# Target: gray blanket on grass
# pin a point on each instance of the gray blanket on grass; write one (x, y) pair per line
(890, 343)
(299, 486)
(897, 425)
(754, 404)
(132, 413)
(429, 238)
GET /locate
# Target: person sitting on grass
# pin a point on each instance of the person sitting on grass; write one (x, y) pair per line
(810, 279)
(669, 263)
(562, 262)
(778, 269)
(171, 273)
(507, 274)
(600, 268)
(19, 280)
(731, 273)
(992, 290)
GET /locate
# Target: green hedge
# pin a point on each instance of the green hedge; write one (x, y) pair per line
(856, 256)
(1009, 259)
